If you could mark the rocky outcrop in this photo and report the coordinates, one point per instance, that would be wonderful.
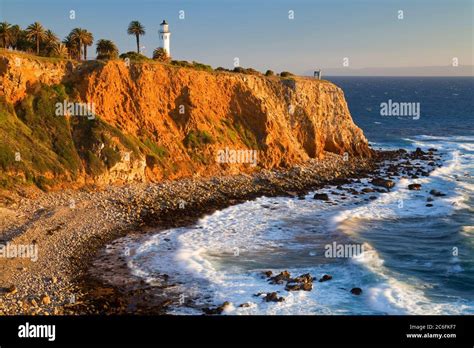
(22, 74)
(186, 122)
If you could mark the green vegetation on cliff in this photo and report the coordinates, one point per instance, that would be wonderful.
(39, 147)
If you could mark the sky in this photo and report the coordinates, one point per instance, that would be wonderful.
(261, 34)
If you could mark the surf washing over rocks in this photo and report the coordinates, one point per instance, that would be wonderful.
(267, 256)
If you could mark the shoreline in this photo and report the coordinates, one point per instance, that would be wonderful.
(70, 236)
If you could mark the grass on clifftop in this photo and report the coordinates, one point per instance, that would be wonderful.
(31, 56)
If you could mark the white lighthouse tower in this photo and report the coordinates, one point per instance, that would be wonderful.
(165, 37)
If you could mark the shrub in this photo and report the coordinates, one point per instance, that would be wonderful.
(247, 71)
(193, 65)
(42, 182)
(158, 150)
(106, 49)
(200, 66)
(151, 160)
(161, 55)
(95, 165)
(182, 63)
(251, 71)
(7, 157)
(239, 69)
(197, 138)
(286, 74)
(111, 156)
(134, 56)
(269, 73)
(222, 69)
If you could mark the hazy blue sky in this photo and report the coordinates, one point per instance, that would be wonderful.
(260, 33)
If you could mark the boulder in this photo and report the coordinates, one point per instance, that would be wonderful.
(340, 181)
(166, 303)
(280, 278)
(268, 274)
(217, 310)
(321, 196)
(436, 193)
(303, 282)
(296, 287)
(273, 297)
(45, 299)
(415, 187)
(383, 183)
(325, 278)
(12, 290)
(419, 152)
(356, 291)
(304, 278)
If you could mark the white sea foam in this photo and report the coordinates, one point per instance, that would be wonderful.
(393, 296)
(401, 202)
(221, 258)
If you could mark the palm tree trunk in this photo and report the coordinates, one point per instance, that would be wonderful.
(85, 52)
(37, 45)
(138, 43)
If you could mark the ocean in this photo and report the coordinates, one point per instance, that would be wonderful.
(411, 259)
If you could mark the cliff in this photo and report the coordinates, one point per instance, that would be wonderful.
(153, 121)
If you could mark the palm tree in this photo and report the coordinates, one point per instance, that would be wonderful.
(87, 40)
(60, 51)
(137, 29)
(35, 32)
(23, 43)
(72, 47)
(161, 55)
(83, 38)
(50, 40)
(5, 34)
(106, 49)
(15, 35)
(78, 34)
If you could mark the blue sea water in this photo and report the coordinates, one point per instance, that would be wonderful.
(446, 106)
(415, 259)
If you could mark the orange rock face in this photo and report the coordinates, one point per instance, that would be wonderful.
(192, 114)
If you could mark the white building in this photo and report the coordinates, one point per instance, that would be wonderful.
(165, 37)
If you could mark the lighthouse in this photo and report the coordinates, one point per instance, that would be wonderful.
(165, 37)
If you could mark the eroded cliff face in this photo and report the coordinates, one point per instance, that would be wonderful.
(21, 74)
(175, 121)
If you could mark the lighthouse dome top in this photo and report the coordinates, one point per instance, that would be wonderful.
(164, 22)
